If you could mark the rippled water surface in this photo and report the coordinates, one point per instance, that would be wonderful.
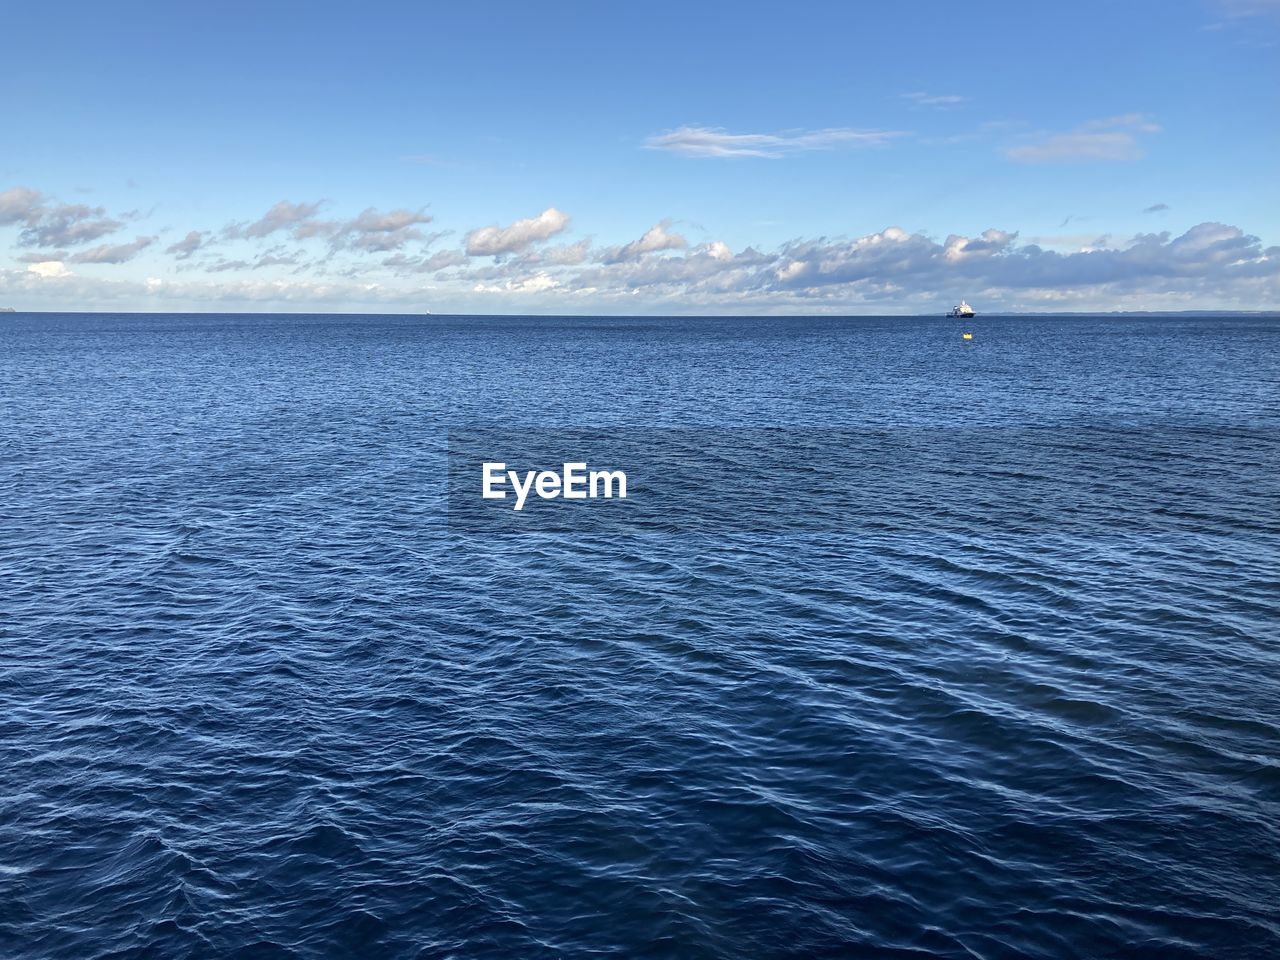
(260, 698)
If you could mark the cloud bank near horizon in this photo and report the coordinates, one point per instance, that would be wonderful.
(295, 255)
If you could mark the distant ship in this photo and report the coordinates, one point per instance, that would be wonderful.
(962, 310)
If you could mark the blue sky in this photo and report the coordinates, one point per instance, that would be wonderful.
(657, 157)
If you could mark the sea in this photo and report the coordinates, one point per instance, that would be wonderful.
(901, 645)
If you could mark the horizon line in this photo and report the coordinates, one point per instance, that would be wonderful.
(1263, 312)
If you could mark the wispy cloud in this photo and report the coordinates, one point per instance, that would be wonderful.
(296, 217)
(113, 253)
(922, 99)
(48, 224)
(276, 257)
(370, 230)
(715, 142)
(440, 260)
(21, 205)
(1156, 208)
(1115, 138)
(69, 224)
(380, 232)
(185, 248)
(1250, 8)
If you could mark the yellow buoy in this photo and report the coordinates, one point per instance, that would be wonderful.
(967, 336)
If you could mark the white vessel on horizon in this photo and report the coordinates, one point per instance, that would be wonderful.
(961, 309)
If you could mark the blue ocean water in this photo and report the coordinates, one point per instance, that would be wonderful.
(1005, 685)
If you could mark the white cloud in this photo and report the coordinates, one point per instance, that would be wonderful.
(1208, 257)
(494, 240)
(113, 253)
(21, 205)
(714, 142)
(1115, 138)
(188, 245)
(922, 99)
(370, 230)
(991, 242)
(1211, 265)
(381, 232)
(656, 238)
(46, 224)
(284, 215)
(69, 224)
(440, 260)
(564, 255)
(49, 268)
(275, 257)
(533, 283)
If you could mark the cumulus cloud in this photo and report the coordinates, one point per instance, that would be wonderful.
(113, 253)
(284, 215)
(381, 232)
(715, 142)
(276, 260)
(1208, 255)
(710, 269)
(1211, 265)
(440, 260)
(384, 255)
(658, 237)
(49, 269)
(370, 230)
(1214, 263)
(560, 255)
(222, 266)
(69, 224)
(275, 257)
(46, 224)
(989, 243)
(532, 283)
(188, 245)
(21, 205)
(564, 255)
(495, 240)
(1115, 138)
